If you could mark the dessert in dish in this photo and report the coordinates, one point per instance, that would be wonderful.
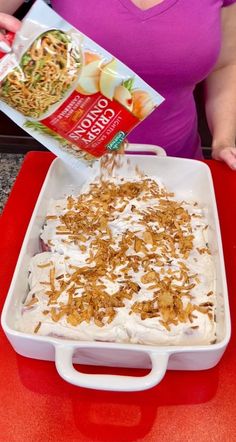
(125, 262)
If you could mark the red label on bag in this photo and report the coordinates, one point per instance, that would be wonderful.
(94, 123)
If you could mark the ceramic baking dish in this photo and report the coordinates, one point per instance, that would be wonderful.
(189, 179)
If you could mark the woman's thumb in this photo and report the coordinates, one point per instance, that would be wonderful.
(9, 23)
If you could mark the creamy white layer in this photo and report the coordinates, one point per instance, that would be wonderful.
(127, 325)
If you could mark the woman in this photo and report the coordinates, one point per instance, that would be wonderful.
(172, 45)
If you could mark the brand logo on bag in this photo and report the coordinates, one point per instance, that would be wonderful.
(116, 141)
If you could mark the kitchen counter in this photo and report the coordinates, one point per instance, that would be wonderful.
(9, 167)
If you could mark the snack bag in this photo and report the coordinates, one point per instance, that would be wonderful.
(66, 91)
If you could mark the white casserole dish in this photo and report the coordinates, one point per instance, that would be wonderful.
(189, 179)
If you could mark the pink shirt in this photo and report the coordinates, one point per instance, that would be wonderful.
(172, 46)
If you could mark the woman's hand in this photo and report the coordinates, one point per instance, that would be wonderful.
(225, 153)
(9, 23)
(221, 93)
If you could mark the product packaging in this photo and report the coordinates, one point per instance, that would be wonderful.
(66, 91)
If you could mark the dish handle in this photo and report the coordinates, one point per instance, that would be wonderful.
(144, 149)
(65, 368)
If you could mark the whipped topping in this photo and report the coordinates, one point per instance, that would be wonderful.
(127, 262)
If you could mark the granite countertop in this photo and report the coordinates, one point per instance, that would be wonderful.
(9, 167)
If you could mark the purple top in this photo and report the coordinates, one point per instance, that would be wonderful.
(172, 46)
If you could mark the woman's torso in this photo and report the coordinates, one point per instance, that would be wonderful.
(172, 46)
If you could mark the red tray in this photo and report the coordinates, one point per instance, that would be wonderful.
(38, 406)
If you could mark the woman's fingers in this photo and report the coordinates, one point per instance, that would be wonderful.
(8, 23)
(8, 27)
(227, 154)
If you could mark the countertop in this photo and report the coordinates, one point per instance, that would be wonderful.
(9, 168)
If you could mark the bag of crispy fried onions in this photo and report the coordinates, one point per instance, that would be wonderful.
(67, 92)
